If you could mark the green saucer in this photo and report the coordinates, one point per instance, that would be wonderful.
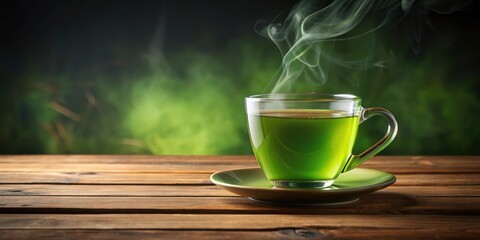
(347, 188)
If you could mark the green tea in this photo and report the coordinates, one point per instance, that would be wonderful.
(302, 145)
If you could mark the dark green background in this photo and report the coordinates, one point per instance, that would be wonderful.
(169, 77)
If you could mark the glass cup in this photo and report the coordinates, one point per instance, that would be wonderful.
(306, 140)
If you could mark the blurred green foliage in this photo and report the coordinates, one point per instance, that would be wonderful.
(195, 106)
(161, 110)
(191, 102)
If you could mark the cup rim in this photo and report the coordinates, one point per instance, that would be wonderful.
(303, 97)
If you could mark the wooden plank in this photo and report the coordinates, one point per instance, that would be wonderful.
(125, 159)
(437, 179)
(105, 178)
(231, 221)
(209, 164)
(147, 234)
(137, 168)
(93, 177)
(401, 234)
(156, 159)
(378, 203)
(111, 190)
(205, 168)
(134, 168)
(435, 191)
(200, 190)
(287, 233)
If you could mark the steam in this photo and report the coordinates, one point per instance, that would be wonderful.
(307, 38)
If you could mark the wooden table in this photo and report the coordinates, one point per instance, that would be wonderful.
(171, 197)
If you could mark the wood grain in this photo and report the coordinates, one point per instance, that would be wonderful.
(132, 168)
(124, 159)
(146, 197)
(377, 203)
(438, 179)
(230, 221)
(111, 190)
(209, 164)
(154, 159)
(284, 233)
(93, 177)
(199, 190)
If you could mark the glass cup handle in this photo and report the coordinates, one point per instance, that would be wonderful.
(366, 113)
